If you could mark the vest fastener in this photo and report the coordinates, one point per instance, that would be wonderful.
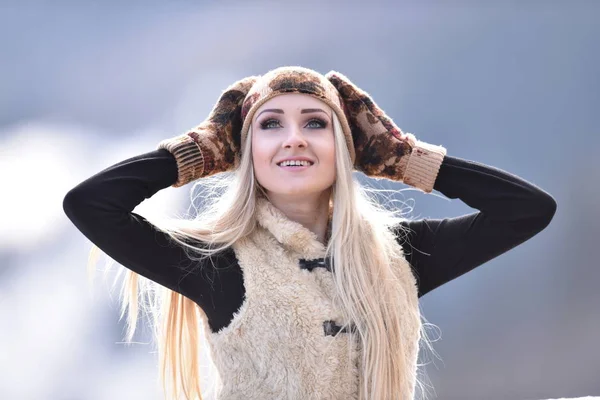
(331, 328)
(314, 263)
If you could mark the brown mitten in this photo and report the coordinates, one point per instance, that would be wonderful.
(212, 146)
(382, 149)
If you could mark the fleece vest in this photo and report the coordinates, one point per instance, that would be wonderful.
(285, 341)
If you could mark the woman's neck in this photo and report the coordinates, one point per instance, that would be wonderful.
(312, 212)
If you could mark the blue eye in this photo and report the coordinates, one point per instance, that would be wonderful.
(270, 123)
(319, 123)
(315, 123)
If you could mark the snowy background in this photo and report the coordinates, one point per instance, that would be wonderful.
(84, 85)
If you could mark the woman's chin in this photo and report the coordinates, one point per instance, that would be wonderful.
(297, 192)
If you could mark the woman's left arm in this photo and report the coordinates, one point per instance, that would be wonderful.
(511, 211)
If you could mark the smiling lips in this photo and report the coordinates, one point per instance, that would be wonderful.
(292, 163)
(295, 165)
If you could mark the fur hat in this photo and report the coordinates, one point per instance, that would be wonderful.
(376, 145)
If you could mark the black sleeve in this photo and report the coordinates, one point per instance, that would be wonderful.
(101, 208)
(511, 211)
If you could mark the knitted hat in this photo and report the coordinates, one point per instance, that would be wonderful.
(376, 145)
(285, 80)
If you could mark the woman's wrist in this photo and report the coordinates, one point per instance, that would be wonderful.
(423, 165)
(189, 156)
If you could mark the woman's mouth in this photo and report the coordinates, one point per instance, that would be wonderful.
(295, 165)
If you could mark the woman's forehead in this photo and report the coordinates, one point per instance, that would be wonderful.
(294, 101)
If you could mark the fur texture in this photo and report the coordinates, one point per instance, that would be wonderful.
(275, 347)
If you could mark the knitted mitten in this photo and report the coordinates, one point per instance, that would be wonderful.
(212, 146)
(382, 149)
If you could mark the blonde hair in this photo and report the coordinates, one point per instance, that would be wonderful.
(361, 243)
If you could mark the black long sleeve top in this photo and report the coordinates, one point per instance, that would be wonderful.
(511, 210)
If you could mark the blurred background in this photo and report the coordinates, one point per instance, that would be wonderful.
(84, 85)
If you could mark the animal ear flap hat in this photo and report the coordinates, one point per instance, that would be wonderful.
(376, 145)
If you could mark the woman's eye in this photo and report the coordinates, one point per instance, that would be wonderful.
(270, 123)
(316, 123)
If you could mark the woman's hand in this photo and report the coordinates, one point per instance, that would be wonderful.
(382, 149)
(213, 146)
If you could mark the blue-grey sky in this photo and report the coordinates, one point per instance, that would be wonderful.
(510, 84)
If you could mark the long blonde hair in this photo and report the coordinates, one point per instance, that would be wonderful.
(361, 244)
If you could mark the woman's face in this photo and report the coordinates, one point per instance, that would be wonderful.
(293, 147)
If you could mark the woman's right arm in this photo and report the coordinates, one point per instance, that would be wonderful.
(101, 207)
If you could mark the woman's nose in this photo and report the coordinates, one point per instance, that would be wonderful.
(294, 138)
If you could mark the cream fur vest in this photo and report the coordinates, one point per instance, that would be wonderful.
(277, 345)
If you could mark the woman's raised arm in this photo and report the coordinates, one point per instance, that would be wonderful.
(101, 207)
(511, 211)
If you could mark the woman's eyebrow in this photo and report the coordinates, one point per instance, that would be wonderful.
(303, 111)
(275, 110)
(311, 110)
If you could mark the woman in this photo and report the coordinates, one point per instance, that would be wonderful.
(308, 288)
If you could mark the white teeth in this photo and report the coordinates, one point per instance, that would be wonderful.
(289, 163)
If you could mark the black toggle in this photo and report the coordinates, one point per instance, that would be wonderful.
(315, 263)
(331, 328)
